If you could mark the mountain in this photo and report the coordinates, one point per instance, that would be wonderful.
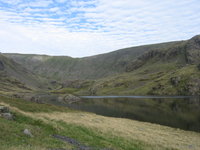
(160, 69)
(94, 67)
(16, 78)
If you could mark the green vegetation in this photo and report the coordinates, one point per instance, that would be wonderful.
(143, 70)
(11, 132)
(159, 69)
(91, 130)
(66, 68)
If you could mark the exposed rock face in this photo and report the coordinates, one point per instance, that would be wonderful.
(1, 66)
(193, 86)
(193, 50)
(164, 55)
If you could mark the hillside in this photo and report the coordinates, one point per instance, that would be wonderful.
(94, 67)
(160, 69)
(29, 84)
(169, 71)
(15, 78)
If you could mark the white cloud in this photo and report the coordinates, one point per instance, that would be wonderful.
(47, 39)
(82, 28)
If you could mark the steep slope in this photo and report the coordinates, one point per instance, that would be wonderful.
(169, 71)
(159, 69)
(173, 70)
(15, 78)
(94, 67)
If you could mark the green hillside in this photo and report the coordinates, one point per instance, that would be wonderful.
(172, 70)
(94, 67)
(160, 69)
(15, 78)
(29, 83)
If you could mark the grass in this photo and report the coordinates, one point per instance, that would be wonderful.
(43, 127)
(150, 134)
(65, 90)
(89, 129)
(148, 80)
(11, 134)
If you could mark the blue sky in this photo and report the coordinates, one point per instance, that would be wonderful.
(81, 28)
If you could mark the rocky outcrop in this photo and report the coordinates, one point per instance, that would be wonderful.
(193, 50)
(5, 113)
(193, 86)
(68, 98)
(163, 55)
(175, 80)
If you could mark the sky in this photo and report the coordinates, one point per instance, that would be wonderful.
(80, 28)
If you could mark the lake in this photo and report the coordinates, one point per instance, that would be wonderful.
(176, 111)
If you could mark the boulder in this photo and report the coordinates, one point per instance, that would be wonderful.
(27, 132)
(4, 109)
(7, 116)
(68, 98)
(175, 80)
(5, 113)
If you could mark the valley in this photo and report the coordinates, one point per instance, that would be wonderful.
(45, 94)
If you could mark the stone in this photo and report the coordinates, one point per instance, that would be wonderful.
(27, 132)
(4, 109)
(7, 116)
(68, 98)
(175, 80)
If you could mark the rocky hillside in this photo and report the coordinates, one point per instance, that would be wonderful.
(94, 67)
(172, 70)
(161, 69)
(14, 77)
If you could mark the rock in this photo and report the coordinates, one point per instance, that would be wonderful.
(7, 116)
(193, 50)
(68, 98)
(193, 86)
(4, 109)
(36, 99)
(175, 80)
(27, 132)
(5, 113)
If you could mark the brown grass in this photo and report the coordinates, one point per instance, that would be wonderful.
(152, 134)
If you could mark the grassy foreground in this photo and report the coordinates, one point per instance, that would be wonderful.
(89, 129)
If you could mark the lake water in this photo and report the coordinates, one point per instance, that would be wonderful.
(175, 111)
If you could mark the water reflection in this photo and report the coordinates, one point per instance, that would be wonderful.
(179, 112)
